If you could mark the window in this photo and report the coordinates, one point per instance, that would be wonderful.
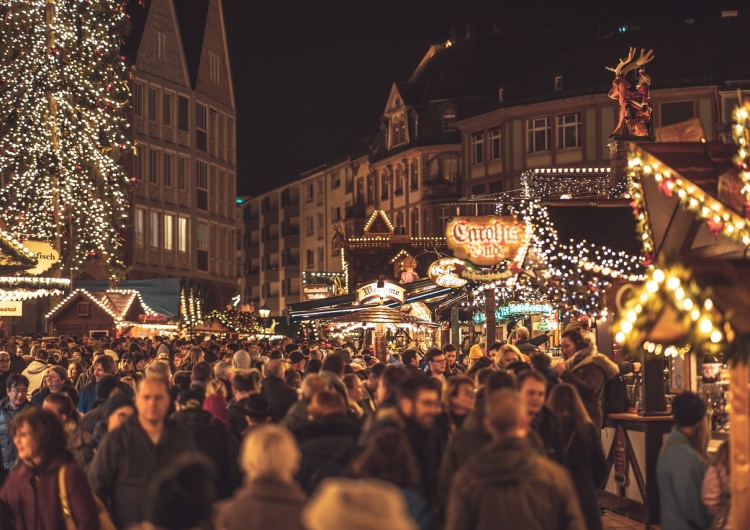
(182, 172)
(414, 174)
(138, 162)
(335, 180)
(496, 187)
(168, 169)
(201, 183)
(398, 131)
(349, 182)
(415, 222)
(183, 244)
(153, 229)
(162, 44)
(84, 309)
(449, 169)
(321, 254)
(201, 126)
(449, 118)
(495, 143)
(569, 130)
(310, 223)
(167, 109)
(202, 243)
(153, 173)
(139, 226)
(398, 186)
(183, 113)
(230, 135)
(213, 130)
(370, 189)
(310, 259)
(335, 213)
(213, 61)
(138, 99)
(168, 232)
(384, 186)
(477, 190)
(320, 220)
(558, 84)
(678, 112)
(310, 191)
(400, 220)
(477, 147)
(222, 134)
(538, 133)
(153, 104)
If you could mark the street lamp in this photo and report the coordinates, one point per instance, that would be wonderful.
(264, 312)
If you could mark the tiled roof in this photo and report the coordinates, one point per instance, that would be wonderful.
(137, 12)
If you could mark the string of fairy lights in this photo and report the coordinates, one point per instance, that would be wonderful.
(64, 97)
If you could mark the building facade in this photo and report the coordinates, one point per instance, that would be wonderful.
(473, 117)
(184, 169)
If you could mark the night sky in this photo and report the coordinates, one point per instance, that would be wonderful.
(312, 78)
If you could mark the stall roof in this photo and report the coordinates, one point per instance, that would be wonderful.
(730, 282)
(420, 290)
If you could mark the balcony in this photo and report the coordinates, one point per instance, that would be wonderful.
(358, 211)
(271, 246)
(441, 189)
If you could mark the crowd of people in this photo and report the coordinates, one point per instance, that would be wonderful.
(211, 433)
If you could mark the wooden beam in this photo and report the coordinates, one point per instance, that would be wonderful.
(739, 440)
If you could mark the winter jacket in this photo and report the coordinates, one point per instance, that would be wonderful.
(715, 490)
(279, 395)
(508, 484)
(545, 425)
(679, 474)
(587, 465)
(81, 445)
(125, 462)
(218, 443)
(6, 442)
(236, 413)
(325, 444)
(588, 371)
(262, 505)
(36, 371)
(32, 496)
(296, 416)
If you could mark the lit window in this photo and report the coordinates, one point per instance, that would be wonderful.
(168, 232)
(449, 118)
(153, 229)
(183, 244)
(140, 225)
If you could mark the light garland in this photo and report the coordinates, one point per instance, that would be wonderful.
(379, 213)
(669, 290)
(741, 136)
(64, 100)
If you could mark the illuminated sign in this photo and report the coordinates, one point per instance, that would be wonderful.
(386, 290)
(45, 255)
(446, 272)
(315, 291)
(485, 240)
(506, 311)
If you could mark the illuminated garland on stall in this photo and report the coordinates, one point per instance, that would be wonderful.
(741, 135)
(64, 102)
(239, 321)
(191, 306)
(670, 291)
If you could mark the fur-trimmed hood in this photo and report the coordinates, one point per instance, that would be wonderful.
(589, 355)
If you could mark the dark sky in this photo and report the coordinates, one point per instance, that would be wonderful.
(311, 78)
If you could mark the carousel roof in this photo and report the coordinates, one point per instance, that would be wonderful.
(380, 315)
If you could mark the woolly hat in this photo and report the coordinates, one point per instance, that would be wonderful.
(296, 356)
(113, 354)
(365, 504)
(114, 403)
(475, 352)
(688, 408)
(241, 359)
(256, 407)
(105, 386)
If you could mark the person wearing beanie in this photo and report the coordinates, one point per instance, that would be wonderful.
(682, 465)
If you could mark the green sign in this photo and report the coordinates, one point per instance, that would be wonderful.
(506, 311)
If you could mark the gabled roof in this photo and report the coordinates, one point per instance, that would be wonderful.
(119, 304)
(378, 223)
(137, 13)
(191, 16)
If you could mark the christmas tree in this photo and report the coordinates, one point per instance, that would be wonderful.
(63, 126)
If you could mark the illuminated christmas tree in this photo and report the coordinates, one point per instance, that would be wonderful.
(63, 121)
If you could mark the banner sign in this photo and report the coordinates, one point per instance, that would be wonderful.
(506, 311)
(152, 319)
(446, 272)
(45, 255)
(11, 309)
(315, 291)
(486, 240)
(371, 292)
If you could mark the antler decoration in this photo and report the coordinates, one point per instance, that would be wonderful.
(622, 69)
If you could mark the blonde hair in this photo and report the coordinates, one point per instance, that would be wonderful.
(216, 386)
(270, 452)
(505, 348)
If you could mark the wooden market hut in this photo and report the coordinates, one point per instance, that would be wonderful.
(94, 314)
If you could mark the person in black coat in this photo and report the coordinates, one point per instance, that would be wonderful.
(583, 451)
(326, 441)
(212, 438)
(533, 388)
(280, 395)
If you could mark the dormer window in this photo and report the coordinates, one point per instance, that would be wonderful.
(449, 118)
(398, 131)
